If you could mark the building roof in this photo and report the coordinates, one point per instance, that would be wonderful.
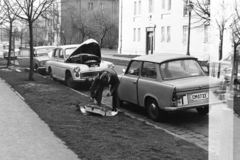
(162, 57)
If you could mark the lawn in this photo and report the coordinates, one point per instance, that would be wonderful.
(95, 137)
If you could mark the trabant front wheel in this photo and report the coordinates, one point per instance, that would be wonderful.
(154, 112)
(203, 110)
(70, 82)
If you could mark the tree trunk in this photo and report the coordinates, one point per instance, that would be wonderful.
(233, 66)
(10, 44)
(220, 51)
(30, 78)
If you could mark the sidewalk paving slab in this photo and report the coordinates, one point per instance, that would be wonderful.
(23, 135)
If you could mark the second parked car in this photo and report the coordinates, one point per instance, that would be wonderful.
(76, 63)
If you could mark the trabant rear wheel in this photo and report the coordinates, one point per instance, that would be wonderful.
(70, 82)
(203, 110)
(154, 112)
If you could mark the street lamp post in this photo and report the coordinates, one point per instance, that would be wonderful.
(189, 8)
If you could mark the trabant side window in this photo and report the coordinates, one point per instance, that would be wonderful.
(134, 68)
(180, 69)
(149, 70)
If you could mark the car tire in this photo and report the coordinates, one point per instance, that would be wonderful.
(203, 110)
(51, 74)
(120, 103)
(70, 82)
(154, 112)
(36, 68)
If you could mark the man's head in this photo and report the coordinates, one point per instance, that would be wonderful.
(104, 78)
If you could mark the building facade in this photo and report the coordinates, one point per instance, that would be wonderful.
(161, 26)
(76, 16)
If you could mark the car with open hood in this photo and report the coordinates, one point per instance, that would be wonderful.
(77, 63)
(41, 55)
(167, 82)
(14, 52)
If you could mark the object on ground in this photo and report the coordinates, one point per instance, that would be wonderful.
(92, 108)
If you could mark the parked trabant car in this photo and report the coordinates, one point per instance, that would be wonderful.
(77, 63)
(14, 52)
(167, 82)
(41, 55)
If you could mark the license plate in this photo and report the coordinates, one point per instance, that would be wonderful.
(199, 96)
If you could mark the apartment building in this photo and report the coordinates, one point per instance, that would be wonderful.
(161, 26)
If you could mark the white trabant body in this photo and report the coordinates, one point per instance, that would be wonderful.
(76, 63)
(167, 82)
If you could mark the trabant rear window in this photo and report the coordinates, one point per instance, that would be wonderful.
(180, 69)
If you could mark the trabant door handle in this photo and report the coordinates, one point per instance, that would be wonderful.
(134, 82)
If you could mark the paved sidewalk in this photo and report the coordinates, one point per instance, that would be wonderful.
(23, 135)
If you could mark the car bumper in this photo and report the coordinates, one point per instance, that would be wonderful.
(42, 68)
(85, 80)
(191, 106)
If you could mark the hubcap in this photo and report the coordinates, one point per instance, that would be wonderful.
(153, 110)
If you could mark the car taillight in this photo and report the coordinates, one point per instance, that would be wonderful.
(174, 98)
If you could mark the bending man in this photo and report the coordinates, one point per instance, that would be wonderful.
(107, 77)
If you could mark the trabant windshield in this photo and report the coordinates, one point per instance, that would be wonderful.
(180, 69)
(69, 51)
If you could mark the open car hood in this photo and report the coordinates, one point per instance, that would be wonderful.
(89, 46)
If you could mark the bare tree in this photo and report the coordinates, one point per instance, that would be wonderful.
(9, 17)
(31, 10)
(202, 16)
(102, 24)
(82, 25)
(235, 26)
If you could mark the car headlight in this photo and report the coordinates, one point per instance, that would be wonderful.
(43, 63)
(110, 65)
(77, 69)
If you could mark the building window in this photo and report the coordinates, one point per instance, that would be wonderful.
(207, 2)
(206, 33)
(90, 6)
(135, 8)
(184, 8)
(102, 6)
(150, 6)
(139, 34)
(168, 34)
(139, 7)
(184, 40)
(163, 4)
(134, 34)
(162, 34)
(169, 4)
